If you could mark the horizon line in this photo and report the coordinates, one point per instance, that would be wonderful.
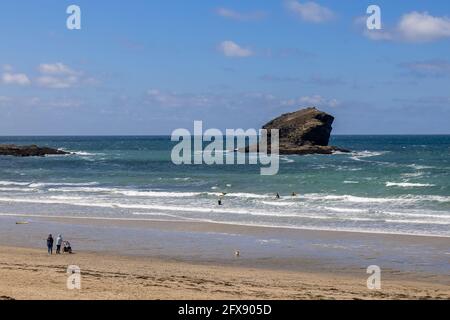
(168, 135)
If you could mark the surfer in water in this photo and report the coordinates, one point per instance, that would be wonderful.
(219, 202)
(277, 196)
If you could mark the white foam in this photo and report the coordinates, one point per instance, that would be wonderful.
(13, 183)
(77, 201)
(437, 215)
(81, 189)
(356, 199)
(287, 160)
(158, 194)
(279, 204)
(133, 193)
(82, 153)
(433, 198)
(348, 198)
(359, 156)
(249, 195)
(419, 167)
(2, 189)
(412, 175)
(339, 153)
(125, 192)
(58, 201)
(346, 210)
(50, 184)
(408, 184)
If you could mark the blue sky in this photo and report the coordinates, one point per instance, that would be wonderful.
(149, 67)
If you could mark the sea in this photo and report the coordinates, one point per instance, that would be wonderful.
(387, 184)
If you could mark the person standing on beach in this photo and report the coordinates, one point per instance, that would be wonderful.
(59, 242)
(50, 244)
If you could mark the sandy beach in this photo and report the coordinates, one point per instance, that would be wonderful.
(31, 274)
(120, 272)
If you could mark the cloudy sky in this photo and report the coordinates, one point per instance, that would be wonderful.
(149, 67)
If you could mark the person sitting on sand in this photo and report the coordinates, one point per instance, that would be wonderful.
(67, 247)
(50, 244)
(59, 242)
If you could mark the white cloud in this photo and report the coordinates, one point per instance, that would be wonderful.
(232, 49)
(57, 82)
(239, 16)
(314, 80)
(310, 11)
(15, 78)
(60, 76)
(419, 27)
(315, 100)
(237, 101)
(174, 100)
(56, 69)
(38, 102)
(51, 75)
(428, 68)
(412, 27)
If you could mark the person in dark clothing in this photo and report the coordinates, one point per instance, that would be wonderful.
(277, 196)
(50, 244)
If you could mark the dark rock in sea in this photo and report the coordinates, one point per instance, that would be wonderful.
(28, 151)
(306, 131)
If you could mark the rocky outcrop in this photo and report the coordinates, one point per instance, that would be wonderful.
(306, 131)
(28, 151)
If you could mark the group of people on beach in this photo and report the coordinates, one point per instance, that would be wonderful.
(59, 242)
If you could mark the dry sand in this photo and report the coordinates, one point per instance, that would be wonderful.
(32, 274)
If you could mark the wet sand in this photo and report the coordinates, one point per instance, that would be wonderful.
(31, 274)
(189, 260)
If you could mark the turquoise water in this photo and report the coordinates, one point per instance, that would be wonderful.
(389, 184)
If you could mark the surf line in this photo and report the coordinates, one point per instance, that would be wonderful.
(190, 148)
